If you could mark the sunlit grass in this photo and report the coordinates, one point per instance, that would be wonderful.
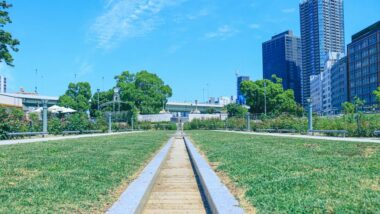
(284, 175)
(72, 176)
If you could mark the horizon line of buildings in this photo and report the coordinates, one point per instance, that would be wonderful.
(316, 67)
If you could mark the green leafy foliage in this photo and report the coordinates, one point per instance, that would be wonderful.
(7, 42)
(235, 110)
(377, 94)
(143, 91)
(77, 96)
(348, 108)
(278, 100)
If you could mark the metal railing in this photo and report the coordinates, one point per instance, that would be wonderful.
(29, 134)
(277, 130)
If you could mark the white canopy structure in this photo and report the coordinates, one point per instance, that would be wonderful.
(55, 109)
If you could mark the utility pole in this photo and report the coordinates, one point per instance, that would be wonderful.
(248, 122)
(310, 116)
(44, 116)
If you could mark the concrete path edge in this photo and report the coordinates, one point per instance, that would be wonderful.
(217, 194)
(133, 199)
(39, 140)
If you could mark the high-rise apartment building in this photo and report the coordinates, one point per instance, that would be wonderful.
(322, 31)
(363, 61)
(282, 57)
(321, 86)
(3, 84)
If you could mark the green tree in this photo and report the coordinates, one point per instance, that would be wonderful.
(235, 110)
(377, 94)
(143, 91)
(7, 42)
(278, 100)
(348, 108)
(359, 103)
(77, 96)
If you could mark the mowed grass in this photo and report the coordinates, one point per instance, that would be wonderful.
(285, 175)
(72, 176)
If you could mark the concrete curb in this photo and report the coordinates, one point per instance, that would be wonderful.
(133, 199)
(218, 196)
(37, 140)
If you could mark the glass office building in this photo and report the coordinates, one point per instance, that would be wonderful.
(339, 85)
(240, 97)
(322, 31)
(364, 64)
(282, 57)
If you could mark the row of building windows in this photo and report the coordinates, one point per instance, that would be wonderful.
(363, 44)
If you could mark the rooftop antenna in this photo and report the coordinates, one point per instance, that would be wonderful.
(237, 73)
(36, 77)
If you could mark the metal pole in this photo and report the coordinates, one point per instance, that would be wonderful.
(265, 97)
(248, 122)
(132, 122)
(109, 122)
(310, 116)
(44, 116)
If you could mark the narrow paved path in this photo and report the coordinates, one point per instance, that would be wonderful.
(347, 139)
(51, 138)
(176, 189)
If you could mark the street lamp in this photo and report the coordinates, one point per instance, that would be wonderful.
(310, 115)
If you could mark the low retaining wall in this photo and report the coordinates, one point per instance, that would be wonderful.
(134, 197)
(218, 196)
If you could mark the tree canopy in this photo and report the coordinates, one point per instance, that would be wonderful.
(235, 110)
(377, 94)
(7, 42)
(77, 96)
(278, 100)
(143, 91)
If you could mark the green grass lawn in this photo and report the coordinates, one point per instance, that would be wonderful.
(285, 175)
(72, 176)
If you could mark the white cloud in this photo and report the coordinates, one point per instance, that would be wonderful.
(254, 26)
(223, 32)
(85, 68)
(202, 13)
(127, 19)
(289, 10)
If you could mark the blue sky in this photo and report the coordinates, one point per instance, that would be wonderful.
(193, 45)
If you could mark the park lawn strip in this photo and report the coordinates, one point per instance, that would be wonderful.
(288, 175)
(72, 176)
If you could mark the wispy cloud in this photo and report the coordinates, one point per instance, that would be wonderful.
(201, 13)
(127, 19)
(254, 26)
(289, 10)
(222, 32)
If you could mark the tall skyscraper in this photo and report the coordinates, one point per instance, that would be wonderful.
(363, 61)
(322, 31)
(3, 84)
(282, 57)
(240, 97)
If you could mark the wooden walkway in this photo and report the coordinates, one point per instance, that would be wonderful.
(176, 189)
